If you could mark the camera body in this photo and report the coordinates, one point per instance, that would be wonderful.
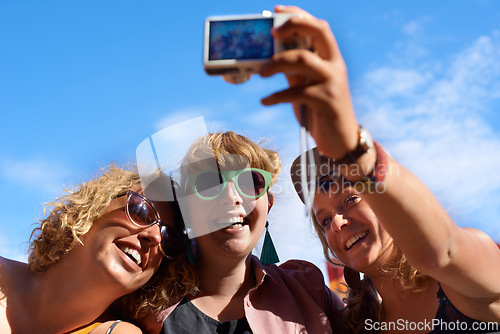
(236, 46)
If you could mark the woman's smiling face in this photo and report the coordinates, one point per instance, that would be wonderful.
(232, 221)
(227, 211)
(351, 228)
(127, 254)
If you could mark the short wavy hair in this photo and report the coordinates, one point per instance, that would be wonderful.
(224, 146)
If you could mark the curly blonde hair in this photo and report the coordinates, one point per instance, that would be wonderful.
(230, 149)
(71, 217)
(364, 303)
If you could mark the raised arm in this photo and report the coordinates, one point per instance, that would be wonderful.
(465, 261)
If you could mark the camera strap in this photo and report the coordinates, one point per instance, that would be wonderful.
(308, 189)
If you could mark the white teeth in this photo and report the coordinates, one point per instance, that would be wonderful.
(229, 220)
(135, 255)
(235, 226)
(354, 238)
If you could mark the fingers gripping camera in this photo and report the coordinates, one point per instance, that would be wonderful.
(236, 46)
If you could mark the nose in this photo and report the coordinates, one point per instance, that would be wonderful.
(231, 195)
(150, 236)
(338, 222)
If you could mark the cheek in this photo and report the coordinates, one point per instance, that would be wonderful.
(194, 209)
(153, 265)
(385, 237)
(157, 263)
(332, 242)
(96, 240)
(259, 208)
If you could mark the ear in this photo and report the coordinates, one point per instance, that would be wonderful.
(270, 199)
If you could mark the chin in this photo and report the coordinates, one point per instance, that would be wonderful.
(237, 248)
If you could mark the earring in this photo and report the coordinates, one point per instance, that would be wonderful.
(192, 250)
(268, 255)
(352, 278)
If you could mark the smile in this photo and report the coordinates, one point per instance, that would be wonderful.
(355, 239)
(133, 254)
(231, 222)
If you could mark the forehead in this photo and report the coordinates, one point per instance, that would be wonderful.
(223, 162)
(331, 184)
(120, 200)
(115, 204)
(323, 200)
(333, 196)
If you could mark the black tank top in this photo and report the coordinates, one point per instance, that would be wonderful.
(450, 320)
(186, 318)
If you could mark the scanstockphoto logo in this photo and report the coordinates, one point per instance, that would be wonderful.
(435, 325)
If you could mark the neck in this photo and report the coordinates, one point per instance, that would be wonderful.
(398, 303)
(226, 278)
(223, 289)
(388, 288)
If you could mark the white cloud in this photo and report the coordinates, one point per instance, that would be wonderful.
(12, 248)
(265, 116)
(390, 82)
(181, 115)
(434, 120)
(415, 27)
(34, 173)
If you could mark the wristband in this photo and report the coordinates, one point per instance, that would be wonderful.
(365, 142)
(374, 182)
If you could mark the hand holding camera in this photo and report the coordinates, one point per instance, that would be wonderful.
(318, 83)
(237, 46)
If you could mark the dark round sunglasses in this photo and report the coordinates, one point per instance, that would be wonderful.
(142, 213)
(250, 182)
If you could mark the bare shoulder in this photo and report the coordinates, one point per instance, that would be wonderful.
(11, 271)
(120, 327)
(4, 324)
(473, 288)
(485, 249)
(475, 232)
(4, 276)
(2, 266)
(15, 278)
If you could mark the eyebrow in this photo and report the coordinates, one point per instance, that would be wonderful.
(319, 212)
(120, 194)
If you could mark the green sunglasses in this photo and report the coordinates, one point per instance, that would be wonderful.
(250, 182)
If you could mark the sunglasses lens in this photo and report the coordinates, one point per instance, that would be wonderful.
(325, 182)
(324, 185)
(170, 241)
(252, 183)
(208, 184)
(140, 211)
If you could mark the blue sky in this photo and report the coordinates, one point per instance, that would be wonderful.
(82, 83)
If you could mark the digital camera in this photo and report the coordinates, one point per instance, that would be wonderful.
(236, 46)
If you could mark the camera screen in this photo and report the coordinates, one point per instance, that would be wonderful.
(241, 39)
